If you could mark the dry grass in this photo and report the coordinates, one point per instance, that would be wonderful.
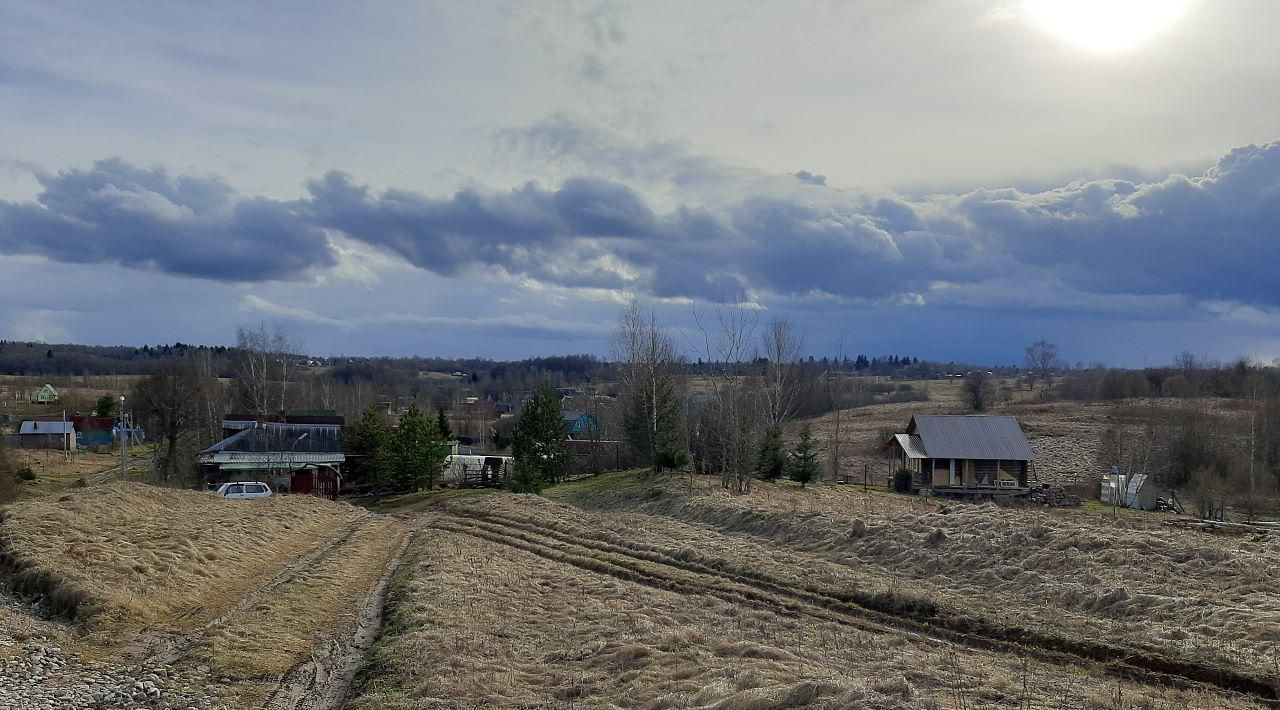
(1131, 581)
(56, 473)
(139, 555)
(479, 624)
(304, 612)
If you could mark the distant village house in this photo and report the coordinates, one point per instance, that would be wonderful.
(47, 435)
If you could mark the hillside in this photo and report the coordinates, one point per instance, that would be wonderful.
(222, 601)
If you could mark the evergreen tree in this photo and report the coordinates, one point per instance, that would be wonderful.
(770, 460)
(105, 406)
(442, 424)
(538, 447)
(652, 425)
(804, 460)
(370, 447)
(419, 451)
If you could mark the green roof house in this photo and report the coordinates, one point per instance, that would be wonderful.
(46, 395)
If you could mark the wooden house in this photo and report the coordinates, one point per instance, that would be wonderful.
(964, 454)
(285, 454)
(45, 395)
(47, 435)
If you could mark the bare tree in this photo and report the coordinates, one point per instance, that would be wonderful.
(284, 349)
(171, 401)
(730, 417)
(253, 369)
(783, 378)
(265, 364)
(646, 356)
(978, 390)
(1041, 360)
(834, 386)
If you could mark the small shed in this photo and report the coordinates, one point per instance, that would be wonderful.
(46, 395)
(47, 435)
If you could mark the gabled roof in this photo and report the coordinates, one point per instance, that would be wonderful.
(971, 436)
(911, 444)
(283, 439)
(31, 427)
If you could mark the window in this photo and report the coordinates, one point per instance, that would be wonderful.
(234, 489)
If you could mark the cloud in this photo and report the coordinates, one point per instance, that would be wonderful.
(1209, 237)
(809, 178)
(529, 325)
(195, 226)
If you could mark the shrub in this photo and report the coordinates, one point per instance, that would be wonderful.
(902, 481)
(25, 473)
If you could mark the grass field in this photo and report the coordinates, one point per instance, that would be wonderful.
(631, 591)
(244, 589)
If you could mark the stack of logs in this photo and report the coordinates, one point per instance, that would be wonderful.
(1053, 497)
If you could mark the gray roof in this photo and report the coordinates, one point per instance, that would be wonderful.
(32, 427)
(286, 438)
(971, 436)
(911, 444)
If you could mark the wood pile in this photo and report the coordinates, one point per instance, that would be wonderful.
(1053, 497)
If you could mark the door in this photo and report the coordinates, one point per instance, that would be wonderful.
(954, 477)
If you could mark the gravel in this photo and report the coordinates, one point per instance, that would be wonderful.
(36, 674)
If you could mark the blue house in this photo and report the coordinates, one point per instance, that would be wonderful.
(579, 425)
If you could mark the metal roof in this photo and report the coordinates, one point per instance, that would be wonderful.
(911, 444)
(272, 459)
(47, 428)
(971, 436)
(286, 438)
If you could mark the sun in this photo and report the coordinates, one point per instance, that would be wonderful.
(1106, 26)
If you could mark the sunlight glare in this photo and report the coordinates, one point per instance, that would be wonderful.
(1105, 25)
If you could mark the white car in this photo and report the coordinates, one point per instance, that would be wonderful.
(245, 489)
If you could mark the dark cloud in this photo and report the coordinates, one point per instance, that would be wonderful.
(190, 226)
(809, 178)
(1215, 236)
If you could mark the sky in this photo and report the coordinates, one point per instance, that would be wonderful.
(949, 179)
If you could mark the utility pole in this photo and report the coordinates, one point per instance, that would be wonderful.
(124, 442)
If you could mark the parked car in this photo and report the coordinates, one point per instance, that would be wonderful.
(245, 489)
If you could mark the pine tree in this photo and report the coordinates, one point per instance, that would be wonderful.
(420, 451)
(370, 447)
(105, 406)
(442, 423)
(539, 449)
(804, 460)
(652, 425)
(770, 460)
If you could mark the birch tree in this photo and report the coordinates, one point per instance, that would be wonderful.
(731, 417)
(646, 356)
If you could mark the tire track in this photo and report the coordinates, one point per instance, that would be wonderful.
(323, 681)
(637, 564)
(170, 648)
